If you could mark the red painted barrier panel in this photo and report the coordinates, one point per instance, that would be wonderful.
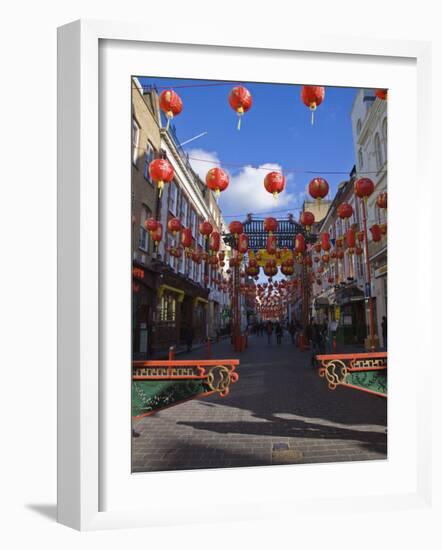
(365, 372)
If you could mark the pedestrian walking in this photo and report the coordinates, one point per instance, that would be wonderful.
(292, 330)
(279, 333)
(269, 330)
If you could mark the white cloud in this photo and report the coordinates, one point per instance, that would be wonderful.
(202, 161)
(246, 191)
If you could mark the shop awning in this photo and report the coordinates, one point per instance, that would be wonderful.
(178, 291)
(321, 301)
(349, 294)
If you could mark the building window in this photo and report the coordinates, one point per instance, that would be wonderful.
(149, 155)
(184, 210)
(173, 196)
(170, 244)
(360, 159)
(384, 137)
(143, 234)
(378, 152)
(193, 223)
(167, 307)
(358, 126)
(135, 140)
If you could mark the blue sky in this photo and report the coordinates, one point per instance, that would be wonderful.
(276, 131)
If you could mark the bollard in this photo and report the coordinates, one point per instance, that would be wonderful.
(334, 344)
(171, 353)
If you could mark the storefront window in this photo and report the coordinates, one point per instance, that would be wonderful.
(167, 307)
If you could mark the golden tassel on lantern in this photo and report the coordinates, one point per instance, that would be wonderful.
(313, 109)
(240, 112)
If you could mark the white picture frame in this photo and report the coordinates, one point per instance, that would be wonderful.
(89, 463)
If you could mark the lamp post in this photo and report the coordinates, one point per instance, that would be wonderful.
(364, 187)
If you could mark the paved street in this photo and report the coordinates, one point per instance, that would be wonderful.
(279, 412)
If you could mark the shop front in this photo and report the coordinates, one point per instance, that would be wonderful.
(181, 313)
(351, 329)
(143, 308)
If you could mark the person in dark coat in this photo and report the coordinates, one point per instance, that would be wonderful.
(269, 330)
(278, 332)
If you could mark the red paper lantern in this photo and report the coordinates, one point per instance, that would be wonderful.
(382, 93)
(270, 270)
(170, 104)
(243, 243)
(318, 188)
(375, 233)
(221, 255)
(174, 225)
(381, 200)
(274, 182)
(270, 225)
(325, 258)
(364, 187)
(299, 244)
(350, 238)
(240, 100)
(236, 228)
(161, 172)
(150, 225)
(359, 251)
(312, 97)
(360, 236)
(308, 261)
(186, 237)
(157, 235)
(214, 241)
(345, 210)
(325, 241)
(196, 258)
(340, 254)
(217, 180)
(252, 271)
(287, 270)
(307, 219)
(205, 229)
(271, 245)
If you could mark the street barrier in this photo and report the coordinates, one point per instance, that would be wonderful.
(158, 384)
(365, 372)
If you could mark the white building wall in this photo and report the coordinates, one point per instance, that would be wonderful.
(370, 128)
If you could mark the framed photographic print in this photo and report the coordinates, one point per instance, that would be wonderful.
(224, 289)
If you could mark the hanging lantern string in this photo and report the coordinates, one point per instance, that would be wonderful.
(204, 85)
(256, 166)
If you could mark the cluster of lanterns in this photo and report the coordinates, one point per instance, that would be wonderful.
(217, 180)
(270, 298)
(352, 239)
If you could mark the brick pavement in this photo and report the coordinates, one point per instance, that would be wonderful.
(279, 412)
